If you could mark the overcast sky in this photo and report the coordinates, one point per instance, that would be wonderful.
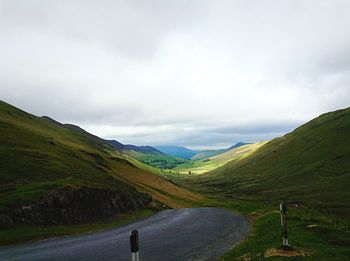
(194, 73)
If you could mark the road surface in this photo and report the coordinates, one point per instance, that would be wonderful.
(177, 234)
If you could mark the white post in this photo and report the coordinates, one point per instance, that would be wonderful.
(135, 256)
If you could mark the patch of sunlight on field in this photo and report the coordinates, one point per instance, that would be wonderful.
(202, 166)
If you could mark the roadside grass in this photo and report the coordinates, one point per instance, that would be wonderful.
(317, 240)
(31, 233)
(313, 235)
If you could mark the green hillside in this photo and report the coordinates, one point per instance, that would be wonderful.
(310, 170)
(214, 162)
(39, 155)
(148, 155)
(311, 165)
(205, 154)
(156, 159)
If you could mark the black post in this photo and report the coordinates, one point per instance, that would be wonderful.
(134, 245)
(283, 211)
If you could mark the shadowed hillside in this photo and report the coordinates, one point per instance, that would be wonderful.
(41, 158)
(177, 151)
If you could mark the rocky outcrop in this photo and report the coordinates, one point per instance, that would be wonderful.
(6, 222)
(74, 206)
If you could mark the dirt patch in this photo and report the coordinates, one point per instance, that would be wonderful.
(293, 252)
(245, 257)
(254, 216)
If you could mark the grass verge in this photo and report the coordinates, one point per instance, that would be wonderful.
(313, 235)
(30, 233)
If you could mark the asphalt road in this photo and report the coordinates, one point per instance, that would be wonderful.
(178, 234)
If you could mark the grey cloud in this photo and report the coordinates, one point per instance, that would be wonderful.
(207, 137)
(257, 129)
(132, 28)
(198, 72)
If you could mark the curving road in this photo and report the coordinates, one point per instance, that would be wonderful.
(177, 234)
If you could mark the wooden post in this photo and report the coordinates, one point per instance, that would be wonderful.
(283, 211)
(134, 245)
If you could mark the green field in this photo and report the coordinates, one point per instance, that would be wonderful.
(156, 160)
(204, 165)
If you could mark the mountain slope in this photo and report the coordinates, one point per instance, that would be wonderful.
(237, 152)
(208, 164)
(150, 156)
(39, 156)
(204, 154)
(238, 144)
(143, 149)
(177, 151)
(309, 165)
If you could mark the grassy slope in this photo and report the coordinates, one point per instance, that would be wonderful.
(202, 166)
(310, 166)
(204, 154)
(38, 155)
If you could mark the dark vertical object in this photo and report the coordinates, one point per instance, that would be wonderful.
(134, 245)
(283, 211)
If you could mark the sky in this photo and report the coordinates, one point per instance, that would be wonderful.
(201, 74)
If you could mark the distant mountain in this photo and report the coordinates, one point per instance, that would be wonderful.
(143, 149)
(153, 157)
(177, 151)
(204, 154)
(238, 144)
(148, 155)
(117, 145)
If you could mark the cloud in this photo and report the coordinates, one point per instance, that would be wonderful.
(176, 72)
